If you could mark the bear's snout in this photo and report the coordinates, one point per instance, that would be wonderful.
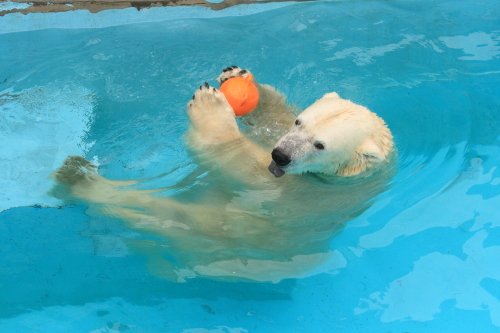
(280, 157)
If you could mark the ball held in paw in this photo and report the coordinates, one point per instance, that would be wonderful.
(241, 93)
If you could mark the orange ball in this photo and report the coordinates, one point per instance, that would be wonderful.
(241, 93)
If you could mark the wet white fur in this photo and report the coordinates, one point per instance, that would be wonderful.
(354, 138)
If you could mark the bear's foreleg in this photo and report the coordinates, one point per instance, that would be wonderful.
(215, 137)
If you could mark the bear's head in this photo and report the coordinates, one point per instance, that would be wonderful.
(333, 136)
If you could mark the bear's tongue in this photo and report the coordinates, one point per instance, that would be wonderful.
(275, 169)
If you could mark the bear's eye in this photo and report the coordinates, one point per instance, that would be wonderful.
(297, 122)
(318, 145)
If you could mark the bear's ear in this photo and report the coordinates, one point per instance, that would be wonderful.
(370, 151)
(367, 154)
(331, 95)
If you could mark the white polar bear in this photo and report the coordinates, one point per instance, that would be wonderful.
(333, 136)
(251, 224)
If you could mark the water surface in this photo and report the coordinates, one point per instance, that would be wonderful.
(421, 255)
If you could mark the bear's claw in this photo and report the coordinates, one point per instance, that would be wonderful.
(212, 118)
(230, 72)
(207, 94)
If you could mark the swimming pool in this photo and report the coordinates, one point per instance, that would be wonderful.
(421, 257)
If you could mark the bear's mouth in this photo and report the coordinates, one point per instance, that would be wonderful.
(275, 169)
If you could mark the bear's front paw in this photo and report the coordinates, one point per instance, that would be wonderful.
(212, 118)
(232, 71)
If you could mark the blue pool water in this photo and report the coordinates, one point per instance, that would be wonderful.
(421, 255)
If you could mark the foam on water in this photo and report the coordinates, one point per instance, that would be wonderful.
(417, 255)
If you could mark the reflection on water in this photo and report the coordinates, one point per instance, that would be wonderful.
(459, 278)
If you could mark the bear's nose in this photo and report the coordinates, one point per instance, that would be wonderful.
(280, 157)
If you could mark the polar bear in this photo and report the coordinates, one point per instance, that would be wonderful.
(333, 136)
(264, 217)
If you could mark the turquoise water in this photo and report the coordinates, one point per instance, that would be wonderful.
(419, 255)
